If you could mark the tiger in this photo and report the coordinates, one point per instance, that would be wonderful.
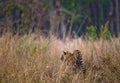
(74, 60)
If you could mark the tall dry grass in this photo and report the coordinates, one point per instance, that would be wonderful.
(32, 59)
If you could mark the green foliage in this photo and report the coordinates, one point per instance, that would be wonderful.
(69, 4)
(11, 5)
(25, 20)
(105, 33)
(48, 6)
(89, 1)
(72, 12)
(104, 2)
(91, 32)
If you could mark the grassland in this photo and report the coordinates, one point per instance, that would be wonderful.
(35, 59)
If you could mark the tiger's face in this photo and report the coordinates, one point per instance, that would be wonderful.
(67, 56)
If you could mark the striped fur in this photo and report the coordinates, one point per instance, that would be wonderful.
(79, 61)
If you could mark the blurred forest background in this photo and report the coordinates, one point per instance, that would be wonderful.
(61, 18)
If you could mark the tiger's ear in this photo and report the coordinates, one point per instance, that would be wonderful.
(64, 52)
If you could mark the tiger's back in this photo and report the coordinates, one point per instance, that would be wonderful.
(79, 61)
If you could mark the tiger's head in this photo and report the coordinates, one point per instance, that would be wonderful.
(66, 55)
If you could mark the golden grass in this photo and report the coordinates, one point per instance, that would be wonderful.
(32, 59)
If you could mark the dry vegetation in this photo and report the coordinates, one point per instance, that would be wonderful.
(31, 59)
